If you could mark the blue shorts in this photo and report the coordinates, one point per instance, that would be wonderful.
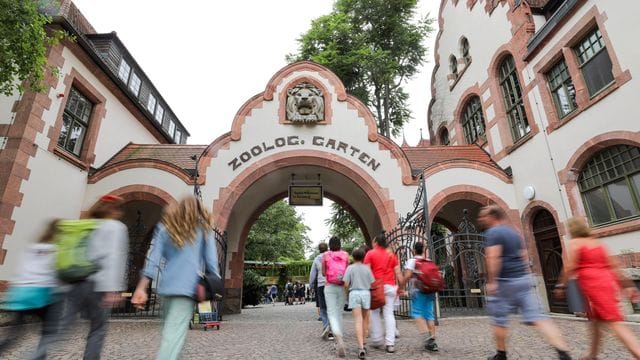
(422, 306)
(515, 294)
(359, 299)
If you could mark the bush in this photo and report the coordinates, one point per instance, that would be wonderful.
(253, 287)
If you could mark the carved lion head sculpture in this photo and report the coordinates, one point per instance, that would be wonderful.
(305, 103)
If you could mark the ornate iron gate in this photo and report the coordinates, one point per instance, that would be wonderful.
(460, 257)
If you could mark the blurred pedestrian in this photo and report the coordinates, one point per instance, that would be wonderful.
(599, 277)
(183, 245)
(316, 277)
(422, 304)
(510, 285)
(33, 290)
(384, 265)
(95, 296)
(273, 294)
(357, 281)
(334, 265)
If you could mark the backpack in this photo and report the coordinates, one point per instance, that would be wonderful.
(335, 265)
(428, 276)
(72, 263)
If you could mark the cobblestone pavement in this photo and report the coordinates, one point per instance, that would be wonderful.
(293, 332)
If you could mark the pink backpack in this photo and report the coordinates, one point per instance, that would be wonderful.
(335, 264)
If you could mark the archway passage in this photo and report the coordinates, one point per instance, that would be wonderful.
(549, 247)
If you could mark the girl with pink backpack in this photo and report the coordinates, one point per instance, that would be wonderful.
(334, 265)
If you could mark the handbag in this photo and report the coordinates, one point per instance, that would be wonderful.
(377, 294)
(575, 298)
(210, 286)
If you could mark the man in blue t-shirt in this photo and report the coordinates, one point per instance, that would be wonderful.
(510, 284)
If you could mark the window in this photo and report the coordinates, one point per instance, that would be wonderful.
(464, 50)
(453, 66)
(123, 71)
(177, 137)
(512, 95)
(594, 62)
(473, 122)
(444, 137)
(159, 113)
(562, 89)
(75, 121)
(151, 103)
(610, 184)
(172, 128)
(134, 84)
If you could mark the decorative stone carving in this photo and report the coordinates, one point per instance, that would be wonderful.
(305, 104)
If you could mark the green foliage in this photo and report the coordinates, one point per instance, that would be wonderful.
(23, 45)
(277, 233)
(253, 287)
(374, 46)
(345, 227)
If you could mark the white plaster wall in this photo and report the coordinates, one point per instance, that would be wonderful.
(458, 22)
(119, 126)
(622, 243)
(444, 179)
(262, 126)
(6, 103)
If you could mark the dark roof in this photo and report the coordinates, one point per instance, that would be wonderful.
(178, 155)
(424, 157)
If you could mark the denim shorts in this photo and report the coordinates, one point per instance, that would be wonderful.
(359, 299)
(422, 306)
(512, 295)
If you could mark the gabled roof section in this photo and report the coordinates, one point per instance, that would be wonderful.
(422, 158)
(181, 156)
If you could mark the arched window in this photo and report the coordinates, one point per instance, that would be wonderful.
(444, 136)
(512, 95)
(472, 121)
(464, 50)
(610, 184)
(453, 66)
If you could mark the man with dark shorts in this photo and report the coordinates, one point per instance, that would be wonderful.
(316, 277)
(510, 284)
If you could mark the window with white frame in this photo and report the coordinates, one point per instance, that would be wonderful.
(151, 103)
(513, 102)
(177, 137)
(159, 113)
(134, 84)
(75, 121)
(562, 89)
(123, 71)
(610, 184)
(172, 128)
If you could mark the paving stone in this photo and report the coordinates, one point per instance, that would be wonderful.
(293, 332)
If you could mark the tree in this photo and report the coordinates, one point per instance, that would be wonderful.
(23, 45)
(277, 233)
(374, 46)
(345, 227)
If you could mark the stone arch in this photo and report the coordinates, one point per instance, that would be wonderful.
(528, 214)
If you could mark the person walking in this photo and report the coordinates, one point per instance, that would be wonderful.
(316, 277)
(384, 265)
(357, 281)
(422, 304)
(599, 277)
(334, 265)
(33, 290)
(95, 296)
(510, 285)
(183, 245)
(273, 294)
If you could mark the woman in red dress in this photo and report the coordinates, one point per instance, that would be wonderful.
(600, 280)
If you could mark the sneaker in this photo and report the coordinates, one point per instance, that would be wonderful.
(390, 349)
(330, 337)
(497, 356)
(325, 333)
(430, 344)
(362, 353)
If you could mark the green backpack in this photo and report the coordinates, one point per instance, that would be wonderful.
(72, 263)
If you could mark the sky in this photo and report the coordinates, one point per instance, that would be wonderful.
(207, 58)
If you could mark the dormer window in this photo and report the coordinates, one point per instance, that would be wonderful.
(134, 84)
(178, 136)
(151, 103)
(123, 71)
(159, 113)
(172, 128)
